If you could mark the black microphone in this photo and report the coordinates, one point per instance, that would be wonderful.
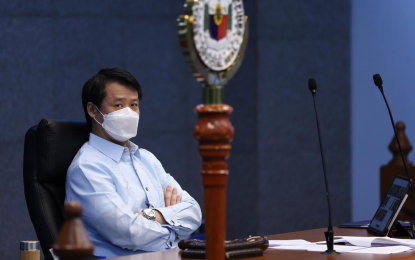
(312, 85)
(379, 83)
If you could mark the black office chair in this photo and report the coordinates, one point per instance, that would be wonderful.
(49, 149)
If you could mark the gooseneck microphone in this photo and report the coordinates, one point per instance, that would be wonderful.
(312, 85)
(379, 83)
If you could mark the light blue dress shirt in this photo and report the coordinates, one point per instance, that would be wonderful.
(113, 183)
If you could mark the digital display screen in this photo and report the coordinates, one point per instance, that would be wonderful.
(390, 204)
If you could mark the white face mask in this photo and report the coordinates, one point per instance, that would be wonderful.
(121, 124)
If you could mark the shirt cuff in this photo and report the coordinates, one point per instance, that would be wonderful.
(172, 242)
(169, 215)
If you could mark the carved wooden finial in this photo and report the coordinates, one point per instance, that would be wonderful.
(405, 145)
(73, 242)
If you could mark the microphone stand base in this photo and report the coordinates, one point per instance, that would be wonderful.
(330, 252)
(330, 243)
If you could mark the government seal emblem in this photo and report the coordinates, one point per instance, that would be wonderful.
(213, 37)
(218, 30)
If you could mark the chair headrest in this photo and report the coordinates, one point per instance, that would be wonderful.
(57, 142)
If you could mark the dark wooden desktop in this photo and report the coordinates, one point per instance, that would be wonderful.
(314, 235)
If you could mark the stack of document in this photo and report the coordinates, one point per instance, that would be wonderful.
(374, 241)
(362, 245)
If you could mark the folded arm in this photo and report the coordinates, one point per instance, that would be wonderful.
(184, 217)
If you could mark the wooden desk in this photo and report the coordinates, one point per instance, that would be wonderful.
(314, 235)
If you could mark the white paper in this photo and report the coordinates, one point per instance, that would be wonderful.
(291, 242)
(383, 250)
(298, 247)
(317, 248)
(346, 249)
(356, 241)
(375, 241)
(340, 249)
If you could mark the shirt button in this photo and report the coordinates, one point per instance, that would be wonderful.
(146, 189)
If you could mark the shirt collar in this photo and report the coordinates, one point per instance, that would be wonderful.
(110, 149)
(134, 149)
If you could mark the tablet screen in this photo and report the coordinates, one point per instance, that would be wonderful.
(389, 206)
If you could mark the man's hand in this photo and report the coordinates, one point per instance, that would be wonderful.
(170, 196)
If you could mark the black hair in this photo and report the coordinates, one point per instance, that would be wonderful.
(94, 89)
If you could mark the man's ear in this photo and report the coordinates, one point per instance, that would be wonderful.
(91, 109)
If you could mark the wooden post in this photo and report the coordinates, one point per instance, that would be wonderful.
(214, 132)
(73, 242)
(395, 167)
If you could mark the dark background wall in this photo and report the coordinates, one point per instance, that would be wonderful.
(48, 49)
(298, 40)
(379, 46)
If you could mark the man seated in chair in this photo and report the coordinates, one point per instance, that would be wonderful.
(130, 204)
